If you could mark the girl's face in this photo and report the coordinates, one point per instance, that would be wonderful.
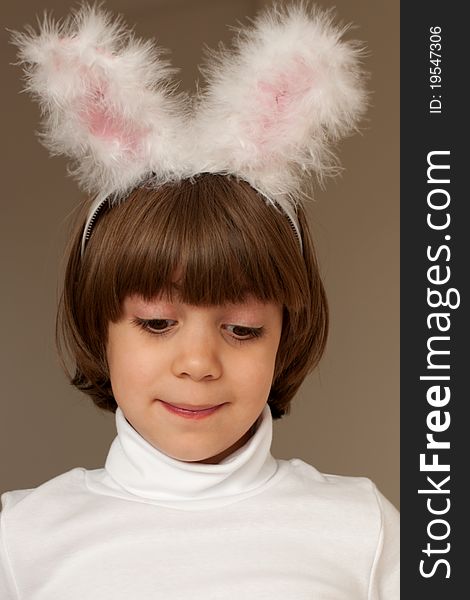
(192, 356)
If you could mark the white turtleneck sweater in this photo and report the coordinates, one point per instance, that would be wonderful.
(150, 527)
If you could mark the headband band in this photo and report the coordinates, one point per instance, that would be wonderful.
(100, 202)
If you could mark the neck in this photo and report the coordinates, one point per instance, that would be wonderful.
(136, 470)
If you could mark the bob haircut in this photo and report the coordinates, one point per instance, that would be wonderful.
(224, 241)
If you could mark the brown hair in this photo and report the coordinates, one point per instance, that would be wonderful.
(225, 240)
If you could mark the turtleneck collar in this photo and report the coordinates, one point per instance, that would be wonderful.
(135, 467)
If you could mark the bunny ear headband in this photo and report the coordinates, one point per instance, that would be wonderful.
(268, 113)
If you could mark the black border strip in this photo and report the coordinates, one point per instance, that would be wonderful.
(434, 271)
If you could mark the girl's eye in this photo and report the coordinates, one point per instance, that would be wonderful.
(162, 327)
(156, 326)
(244, 334)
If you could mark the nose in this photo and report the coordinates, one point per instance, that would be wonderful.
(197, 356)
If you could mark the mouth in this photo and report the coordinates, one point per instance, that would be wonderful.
(192, 406)
(191, 412)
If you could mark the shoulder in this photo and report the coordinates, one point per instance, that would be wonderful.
(27, 518)
(29, 515)
(341, 491)
(353, 511)
(45, 498)
(354, 499)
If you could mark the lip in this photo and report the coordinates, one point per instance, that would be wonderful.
(199, 413)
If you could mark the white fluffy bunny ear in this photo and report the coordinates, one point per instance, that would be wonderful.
(106, 99)
(272, 108)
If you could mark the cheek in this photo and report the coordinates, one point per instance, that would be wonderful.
(138, 366)
(254, 374)
(130, 366)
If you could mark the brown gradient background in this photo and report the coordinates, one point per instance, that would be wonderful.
(345, 419)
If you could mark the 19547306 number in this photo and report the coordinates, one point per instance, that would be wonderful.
(435, 70)
(435, 57)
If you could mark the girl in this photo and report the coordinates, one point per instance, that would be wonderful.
(193, 309)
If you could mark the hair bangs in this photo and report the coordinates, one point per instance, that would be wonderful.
(192, 241)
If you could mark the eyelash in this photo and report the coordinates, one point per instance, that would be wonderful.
(145, 324)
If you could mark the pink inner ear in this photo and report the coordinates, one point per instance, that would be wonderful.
(277, 95)
(107, 124)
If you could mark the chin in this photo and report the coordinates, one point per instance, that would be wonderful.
(188, 457)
